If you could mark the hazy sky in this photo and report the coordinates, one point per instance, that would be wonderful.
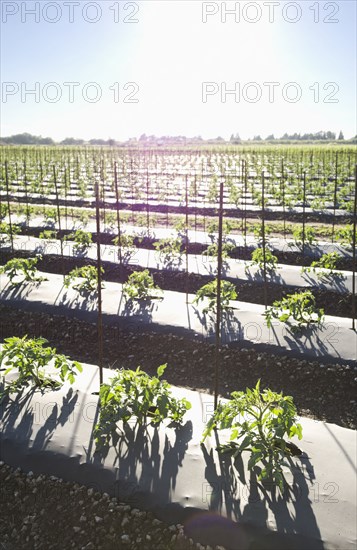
(120, 69)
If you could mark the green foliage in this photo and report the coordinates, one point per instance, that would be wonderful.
(258, 259)
(235, 194)
(5, 232)
(308, 236)
(22, 267)
(212, 195)
(3, 211)
(212, 250)
(180, 228)
(258, 232)
(30, 358)
(48, 234)
(50, 216)
(82, 240)
(169, 250)
(126, 245)
(135, 394)
(297, 310)
(212, 228)
(83, 217)
(327, 266)
(110, 220)
(259, 422)
(345, 235)
(88, 273)
(227, 247)
(209, 292)
(140, 286)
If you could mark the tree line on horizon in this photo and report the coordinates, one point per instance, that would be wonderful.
(29, 139)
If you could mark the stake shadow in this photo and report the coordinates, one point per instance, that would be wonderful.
(230, 325)
(19, 291)
(317, 348)
(49, 416)
(258, 276)
(169, 263)
(328, 282)
(146, 469)
(84, 301)
(143, 309)
(209, 264)
(246, 502)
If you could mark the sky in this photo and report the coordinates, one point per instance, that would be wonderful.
(111, 69)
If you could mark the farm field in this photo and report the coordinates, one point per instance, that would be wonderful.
(105, 252)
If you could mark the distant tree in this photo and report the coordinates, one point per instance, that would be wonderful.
(72, 141)
(235, 138)
(340, 135)
(257, 138)
(270, 137)
(27, 139)
(97, 141)
(46, 141)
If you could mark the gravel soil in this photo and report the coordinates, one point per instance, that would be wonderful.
(46, 513)
(50, 514)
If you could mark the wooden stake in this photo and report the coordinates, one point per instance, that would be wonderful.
(99, 287)
(354, 256)
(264, 243)
(117, 210)
(8, 205)
(59, 217)
(218, 303)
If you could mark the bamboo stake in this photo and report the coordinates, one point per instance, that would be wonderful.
(218, 304)
(99, 287)
(186, 236)
(59, 217)
(354, 256)
(303, 214)
(335, 199)
(264, 243)
(117, 210)
(147, 203)
(8, 205)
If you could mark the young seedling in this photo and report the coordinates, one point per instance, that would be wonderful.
(126, 245)
(169, 250)
(83, 217)
(140, 286)
(227, 246)
(30, 357)
(48, 235)
(258, 233)
(82, 240)
(345, 235)
(135, 394)
(325, 267)
(3, 211)
(89, 276)
(259, 422)
(208, 293)
(258, 259)
(300, 236)
(50, 216)
(22, 267)
(296, 310)
(5, 232)
(110, 221)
